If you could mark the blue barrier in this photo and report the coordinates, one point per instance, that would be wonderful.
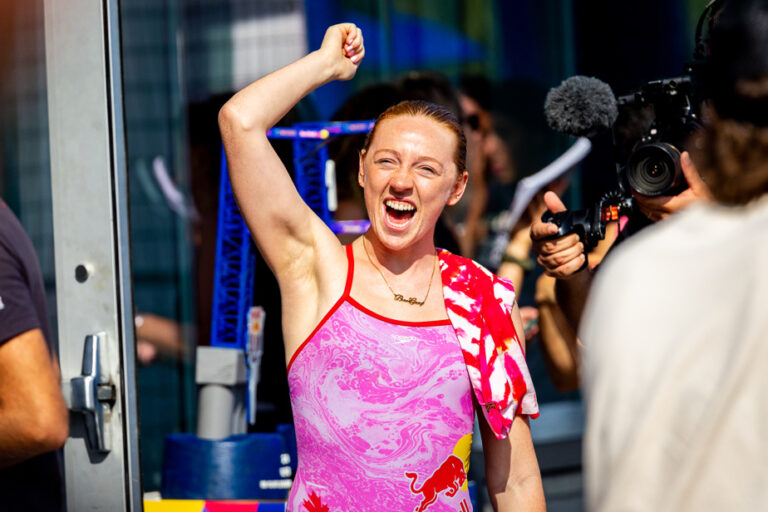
(240, 467)
(288, 432)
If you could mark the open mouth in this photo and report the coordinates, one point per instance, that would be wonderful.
(399, 213)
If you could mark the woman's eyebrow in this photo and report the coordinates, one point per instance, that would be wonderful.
(431, 159)
(386, 150)
(420, 158)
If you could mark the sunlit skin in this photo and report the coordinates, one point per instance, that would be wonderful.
(409, 165)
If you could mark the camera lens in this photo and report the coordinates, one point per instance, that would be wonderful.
(654, 169)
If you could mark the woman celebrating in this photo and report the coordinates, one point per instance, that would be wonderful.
(389, 342)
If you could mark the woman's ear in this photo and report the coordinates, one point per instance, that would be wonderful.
(361, 170)
(458, 189)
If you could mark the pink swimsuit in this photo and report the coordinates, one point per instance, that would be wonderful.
(383, 414)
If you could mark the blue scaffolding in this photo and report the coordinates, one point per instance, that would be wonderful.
(314, 180)
(233, 274)
(235, 256)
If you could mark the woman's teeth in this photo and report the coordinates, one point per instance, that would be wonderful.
(399, 206)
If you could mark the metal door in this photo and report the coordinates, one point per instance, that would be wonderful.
(94, 295)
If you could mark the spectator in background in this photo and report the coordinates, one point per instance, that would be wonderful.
(676, 364)
(34, 422)
(475, 100)
(157, 335)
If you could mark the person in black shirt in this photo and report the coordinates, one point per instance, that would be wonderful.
(34, 421)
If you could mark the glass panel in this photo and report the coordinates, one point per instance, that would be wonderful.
(162, 253)
(181, 60)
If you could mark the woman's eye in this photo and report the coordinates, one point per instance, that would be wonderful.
(428, 169)
(384, 161)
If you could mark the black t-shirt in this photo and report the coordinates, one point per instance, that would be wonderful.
(37, 483)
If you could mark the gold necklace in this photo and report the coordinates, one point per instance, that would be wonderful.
(413, 301)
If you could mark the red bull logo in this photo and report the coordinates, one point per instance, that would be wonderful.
(448, 478)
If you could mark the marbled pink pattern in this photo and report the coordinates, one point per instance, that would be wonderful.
(372, 400)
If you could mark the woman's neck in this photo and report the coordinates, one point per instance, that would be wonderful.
(398, 261)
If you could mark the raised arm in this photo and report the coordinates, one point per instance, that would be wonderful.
(286, 231)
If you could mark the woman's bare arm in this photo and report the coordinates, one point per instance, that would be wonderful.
(511, 469)
(305, 256)
(286, 231)
(559, 344)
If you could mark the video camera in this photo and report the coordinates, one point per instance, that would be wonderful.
(653, 166)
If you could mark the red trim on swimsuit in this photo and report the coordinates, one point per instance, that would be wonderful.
(428, 323)
(346, 296)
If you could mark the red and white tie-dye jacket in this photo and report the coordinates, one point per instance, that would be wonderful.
(479, 305)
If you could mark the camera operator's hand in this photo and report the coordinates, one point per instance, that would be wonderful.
(660, 207)
(561, 257)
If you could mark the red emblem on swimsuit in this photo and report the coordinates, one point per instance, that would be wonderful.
(448, 478)
(314, 504)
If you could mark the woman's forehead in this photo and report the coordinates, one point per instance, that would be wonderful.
(412, 128)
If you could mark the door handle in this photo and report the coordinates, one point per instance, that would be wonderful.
(91, 394)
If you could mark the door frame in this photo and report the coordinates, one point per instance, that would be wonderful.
(91, 243)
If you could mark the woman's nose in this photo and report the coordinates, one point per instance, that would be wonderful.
(401, 179)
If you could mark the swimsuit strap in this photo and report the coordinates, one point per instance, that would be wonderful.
(350, 271)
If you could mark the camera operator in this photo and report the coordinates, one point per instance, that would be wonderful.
(648, 127)
(676, 363)
(564, 258)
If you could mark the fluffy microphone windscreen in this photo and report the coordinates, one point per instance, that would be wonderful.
(581, 106)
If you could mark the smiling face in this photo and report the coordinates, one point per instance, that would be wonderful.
(409, 175)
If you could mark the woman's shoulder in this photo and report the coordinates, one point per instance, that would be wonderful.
(457, 268)
(462, 262)
(456, 260)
